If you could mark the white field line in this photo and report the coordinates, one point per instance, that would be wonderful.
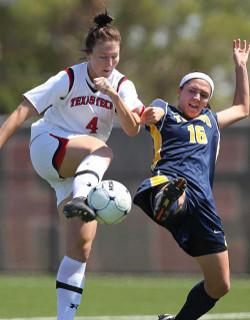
(215, 316)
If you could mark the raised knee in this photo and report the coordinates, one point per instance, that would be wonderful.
(109, 153)
(103, 151)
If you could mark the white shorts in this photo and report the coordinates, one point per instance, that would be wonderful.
(46, 151)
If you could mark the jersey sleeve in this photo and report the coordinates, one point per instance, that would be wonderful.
(50, 92)
(129, 95)
(159, 103)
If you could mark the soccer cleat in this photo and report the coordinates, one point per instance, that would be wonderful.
(167, 196)
(77, 207)
(165, 317)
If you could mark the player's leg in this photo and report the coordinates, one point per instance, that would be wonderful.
(70, 279)
(79, 237)
(204, 295)
(169, 199)
(87, 159)
(215, 268)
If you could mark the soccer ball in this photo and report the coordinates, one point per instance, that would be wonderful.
(111, 201)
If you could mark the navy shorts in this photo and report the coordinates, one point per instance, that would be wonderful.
(197, 229)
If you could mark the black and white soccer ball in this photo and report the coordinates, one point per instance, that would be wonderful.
(111, 201)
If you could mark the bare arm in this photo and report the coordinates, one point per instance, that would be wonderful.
(129, 120)
(23, 112)
(240, 107)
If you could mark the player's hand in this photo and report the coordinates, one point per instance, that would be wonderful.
(103, 85)
(152, 115)
(241, 51)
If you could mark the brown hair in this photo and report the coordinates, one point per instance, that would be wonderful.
(103, 31)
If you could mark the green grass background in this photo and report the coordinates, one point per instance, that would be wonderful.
(31, 296)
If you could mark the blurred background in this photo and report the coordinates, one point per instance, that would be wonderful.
(161, 41)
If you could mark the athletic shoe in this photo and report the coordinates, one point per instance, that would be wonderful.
(77, 207)
(165, 317)
(166, 197)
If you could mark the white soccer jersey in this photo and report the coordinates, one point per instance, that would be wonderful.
(72, 106)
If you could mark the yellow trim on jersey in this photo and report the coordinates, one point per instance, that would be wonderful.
(204, 118)
(157, 140)
(156, 180)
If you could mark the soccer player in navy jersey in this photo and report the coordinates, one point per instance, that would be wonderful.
(178, 196)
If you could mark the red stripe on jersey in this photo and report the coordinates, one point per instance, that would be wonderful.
(60, 151)
(142, 110)
(120, 82)
(70, 73)
(139, 110)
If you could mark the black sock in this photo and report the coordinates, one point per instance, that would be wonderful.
(198, 303)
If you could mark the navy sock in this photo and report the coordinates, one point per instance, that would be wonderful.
(198, 303)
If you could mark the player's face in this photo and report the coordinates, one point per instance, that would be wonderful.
(103, 59)
(193, 97)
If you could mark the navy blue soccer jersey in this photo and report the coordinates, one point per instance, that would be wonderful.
(187, 148)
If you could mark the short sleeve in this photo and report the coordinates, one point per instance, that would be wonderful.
(129, 95)
(159, 103)
(50, 92)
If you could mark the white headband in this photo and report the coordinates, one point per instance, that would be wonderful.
(198, 75)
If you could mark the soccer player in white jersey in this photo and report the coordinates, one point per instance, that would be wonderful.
(68, 144)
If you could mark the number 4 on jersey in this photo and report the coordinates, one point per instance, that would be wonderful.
(92, 125)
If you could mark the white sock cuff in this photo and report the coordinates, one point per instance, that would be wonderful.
(94, 163)
(71, 272)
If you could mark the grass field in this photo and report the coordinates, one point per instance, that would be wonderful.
(35, 296)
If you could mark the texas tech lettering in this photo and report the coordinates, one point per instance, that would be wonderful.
(93, 100)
